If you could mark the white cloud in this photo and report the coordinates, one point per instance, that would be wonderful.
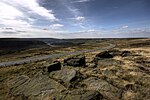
(80, 18)
(32, 6)
(39, 33)
(82, 1)
(56, 26)
(11, 16)
(9, 12)
(91, 30)
(79, 25)
(124, 27)
(85, 34)
(73, 10)
(19, 13)
(26, 33)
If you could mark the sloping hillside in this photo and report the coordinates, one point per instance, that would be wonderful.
(10, 45)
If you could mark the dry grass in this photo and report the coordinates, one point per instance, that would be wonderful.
(128, 72)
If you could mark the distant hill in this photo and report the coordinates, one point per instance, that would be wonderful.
(14, 44)
(20, 44)
(58, 42)
(65, 42)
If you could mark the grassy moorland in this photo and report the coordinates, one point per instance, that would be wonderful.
(119, 73)
(11, 49)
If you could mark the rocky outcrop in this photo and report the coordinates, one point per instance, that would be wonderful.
(116, 52)
(56, 65)
(66, 75)
(108, 62)
(75, 61)
(77, 94)
(117, 75)
(41, 87)
(106, 89)
(33, 88)
(104, 54)
(101, 56)
(110, 54)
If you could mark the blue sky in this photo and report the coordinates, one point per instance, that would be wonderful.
(74, 18)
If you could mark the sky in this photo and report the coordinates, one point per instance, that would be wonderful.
(74, 18)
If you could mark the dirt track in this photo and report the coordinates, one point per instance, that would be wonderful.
(31, 59)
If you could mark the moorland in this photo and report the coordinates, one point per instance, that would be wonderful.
(75, 69)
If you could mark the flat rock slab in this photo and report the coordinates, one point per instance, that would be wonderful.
(32, 87)
(77, 94)
(107, 90)
(108, 62)
(66, 75)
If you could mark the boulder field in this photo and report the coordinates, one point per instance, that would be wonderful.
(74, 79)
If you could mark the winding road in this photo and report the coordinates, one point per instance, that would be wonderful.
(32, 59)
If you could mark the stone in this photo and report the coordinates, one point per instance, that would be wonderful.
(92, 65)
(33, 87)
(131, 95)
(79, 94)
(125, 53)
(115, 52)
(104, 54)
(75, 61)
(20, 97)
(67, 75)
(20, 80)
(130, 86)
(54, 66)
(109, 62)
(107, 90)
